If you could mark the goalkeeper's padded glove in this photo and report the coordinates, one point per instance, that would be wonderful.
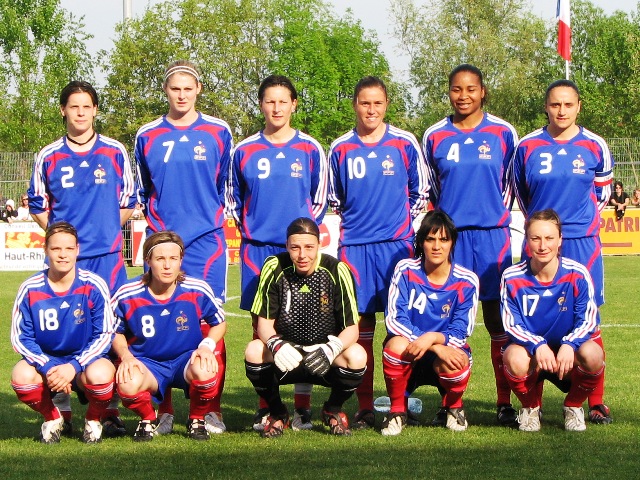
(285, 355)
(321, 355)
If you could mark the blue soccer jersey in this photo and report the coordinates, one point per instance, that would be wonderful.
(272, 185)
(573, 177)
(469, 171)
(377, 189)
(416, 306)
(561, 312)
(47, 325)
(85, 189)
(182, 174)
(165, 329)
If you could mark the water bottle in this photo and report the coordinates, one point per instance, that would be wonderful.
(383, 405)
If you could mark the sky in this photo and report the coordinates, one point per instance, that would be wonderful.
(101, 16)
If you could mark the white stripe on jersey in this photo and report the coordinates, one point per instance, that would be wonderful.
(128, 184)
(390, 321)
(35, 282)
(465, 274)
(320, 198)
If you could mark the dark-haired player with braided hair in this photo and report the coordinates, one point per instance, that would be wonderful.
(306, 308)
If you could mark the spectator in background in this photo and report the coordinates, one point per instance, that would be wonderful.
(619, 199)
(23, 209)
(138, 212)
(635, 199)
(9, 214)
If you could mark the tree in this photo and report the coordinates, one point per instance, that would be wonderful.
(41, 50)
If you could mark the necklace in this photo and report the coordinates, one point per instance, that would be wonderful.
(81, 143)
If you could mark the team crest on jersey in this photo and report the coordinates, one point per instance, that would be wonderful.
(561, 303)
(484, 151)
(182, 320)
(199, 152)
(324, 302)
(78, 314)
(446, 308)
(578, 165)
(387, 166)
(296, 168)
(100, 175)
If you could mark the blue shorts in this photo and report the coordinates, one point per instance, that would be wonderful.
(109, 267)
(372, 266)
(168, 373)
(487, 253)
(252, 257)
(423, 373)
(206, 258)
(588, 252)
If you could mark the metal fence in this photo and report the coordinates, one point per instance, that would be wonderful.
(15, 171)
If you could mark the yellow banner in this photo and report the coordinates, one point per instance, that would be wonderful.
(620, 237)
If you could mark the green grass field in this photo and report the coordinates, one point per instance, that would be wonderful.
(483, 451)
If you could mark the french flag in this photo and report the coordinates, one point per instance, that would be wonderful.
(563, 14)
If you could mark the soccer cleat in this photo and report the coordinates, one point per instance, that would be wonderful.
(275, 426)
(337, 422)
(574, 419)
(67, 428)
(214, 424)
(301, 419)
(197, 429)
(529, 419)
(393, 424)
(113, 427)
(364, 419)
(600, 414)
(440, 420)
(412, 419)
(92, 432)
(145, 431)
(260, 419)
(165, 424)
(507, 416)
(456, 420)
(51, 430)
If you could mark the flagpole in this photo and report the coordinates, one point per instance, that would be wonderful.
(566, 63)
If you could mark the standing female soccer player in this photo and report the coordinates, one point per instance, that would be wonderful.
(63, 327)
(549, 313)
(470, 153)
(378, 185)
(277, 175)
(432, 311)
(183, 164)
(85, 178)
(159, 342)
(568, 168)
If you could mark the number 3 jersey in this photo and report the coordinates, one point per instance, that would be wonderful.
(164, 329)
(562, 311)
(573, 177)
(377, 189)
(182, 174)
(47, 325)
(85, 189)
(416, 306)
(272, 185)
(470, 181)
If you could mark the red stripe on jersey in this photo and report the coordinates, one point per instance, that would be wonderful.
(152, 135)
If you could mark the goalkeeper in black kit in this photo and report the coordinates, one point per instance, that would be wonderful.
(307, 309)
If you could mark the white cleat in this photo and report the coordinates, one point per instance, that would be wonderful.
(393, 424)
(165, 424)
(574, 419)
(456, 419)
(214, 424)
(92, 432)
(301, 420)
(51, 430)
(529, 419)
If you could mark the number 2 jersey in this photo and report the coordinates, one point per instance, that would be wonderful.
(165, 329)
(416, 306)
(85, 189)
(182, 174)
(47, 325)
(573, 177)
(272, 185)
(377, 189)
(470, 181)
(562, 311)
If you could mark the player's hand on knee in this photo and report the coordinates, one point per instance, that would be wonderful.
(126, 369)
(285, 355)
(321, 355)
(204, 352)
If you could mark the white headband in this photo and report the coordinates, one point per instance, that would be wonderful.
(182, 69)
(157, 245)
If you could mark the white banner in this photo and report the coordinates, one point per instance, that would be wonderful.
(21, 246)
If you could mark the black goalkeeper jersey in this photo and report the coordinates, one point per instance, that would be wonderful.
(306, 309)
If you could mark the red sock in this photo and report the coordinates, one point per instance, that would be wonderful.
(201, 393)
(596, 397)
(140, 404)
(454, 384)
(524, 388)
(502, 385)
(582, 384)
(396, 376)
(166, 406)
(99, 397)
(37, 397)
(365, 390)
(221, 356)
(302, 395)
